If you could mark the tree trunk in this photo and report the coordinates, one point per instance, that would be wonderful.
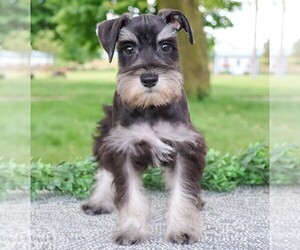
(194, 59)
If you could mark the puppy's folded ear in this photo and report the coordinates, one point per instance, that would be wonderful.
(108, 32)
(178, 20)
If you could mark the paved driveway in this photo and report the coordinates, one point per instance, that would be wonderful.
(237, 220)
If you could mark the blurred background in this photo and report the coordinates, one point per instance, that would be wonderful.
(241, 46)
(241, 77)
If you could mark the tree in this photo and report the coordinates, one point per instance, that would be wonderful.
(45, 41)
(74, 24)
(42, 16)
(17, 40)
(14, 16)
(296, 49)
(194, 59)
(215, 16)
(266, 52)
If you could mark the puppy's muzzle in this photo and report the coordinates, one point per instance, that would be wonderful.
(149, 80)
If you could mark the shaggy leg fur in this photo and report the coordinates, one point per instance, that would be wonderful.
(102, 198)
(183, 218)
(133, 210)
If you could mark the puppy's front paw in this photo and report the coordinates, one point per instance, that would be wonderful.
(129, 237)
(182, 238)
(96, 210)
(184, 222)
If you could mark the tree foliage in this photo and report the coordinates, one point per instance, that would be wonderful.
(17, 40)
(42, 16)
(133, 6)
(73, 22)
(14, 17)
(45, 41)
(76, 27)
(215, 16)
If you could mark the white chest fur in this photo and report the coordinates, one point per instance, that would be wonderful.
(123, 139)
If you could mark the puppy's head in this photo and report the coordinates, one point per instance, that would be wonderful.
(149, 70)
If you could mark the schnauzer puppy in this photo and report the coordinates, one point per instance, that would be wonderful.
(148, 124)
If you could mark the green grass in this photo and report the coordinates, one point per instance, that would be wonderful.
(15, 119)
(235, 114)
(64, 112)
(284, 110)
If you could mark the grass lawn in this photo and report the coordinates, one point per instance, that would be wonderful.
(284, 110)
(15, 120)
(64, 112)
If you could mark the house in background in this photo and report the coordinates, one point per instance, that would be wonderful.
(41, 59)
(234, 61)
(13, 59)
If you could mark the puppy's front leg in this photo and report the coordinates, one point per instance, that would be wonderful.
(132, 206)
(183, 217)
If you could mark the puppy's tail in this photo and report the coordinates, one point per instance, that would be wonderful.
(102, 130)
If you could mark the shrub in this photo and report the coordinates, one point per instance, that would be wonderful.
(13, 176)
(285, 166)
(66, 178)
(222, 172)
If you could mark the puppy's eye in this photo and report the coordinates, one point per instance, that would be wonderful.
(166, 47)
(129, 49)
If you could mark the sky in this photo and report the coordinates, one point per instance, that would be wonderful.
(241, 36)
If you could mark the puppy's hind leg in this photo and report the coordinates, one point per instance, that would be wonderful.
(101, 200)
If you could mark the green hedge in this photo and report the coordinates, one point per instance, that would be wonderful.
(222, 172)
(13, 176)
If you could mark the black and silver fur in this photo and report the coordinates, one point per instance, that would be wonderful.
(147, 125)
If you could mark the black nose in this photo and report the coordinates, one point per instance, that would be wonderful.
(149, 80)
